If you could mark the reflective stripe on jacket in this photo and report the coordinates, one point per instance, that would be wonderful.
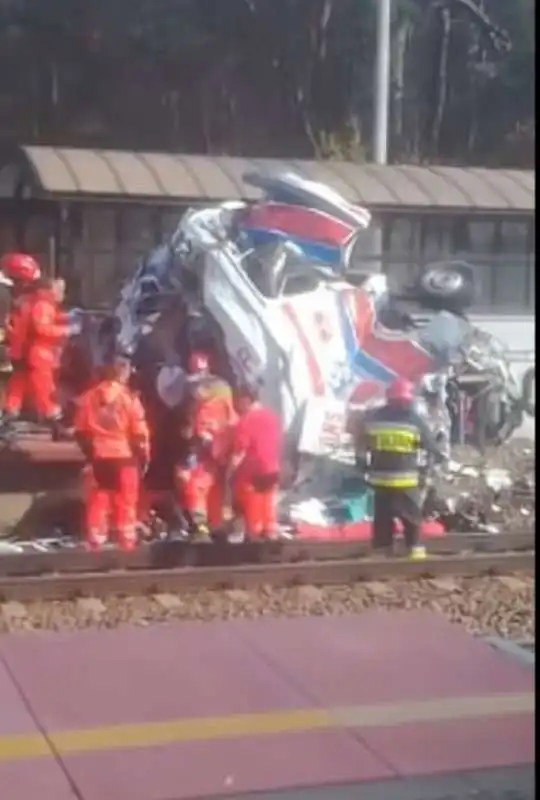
(111, 418)
(394, 449)
(392, 437)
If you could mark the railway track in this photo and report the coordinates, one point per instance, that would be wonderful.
(180, 567)
(169, 554)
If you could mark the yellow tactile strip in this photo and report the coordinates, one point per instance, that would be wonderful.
(154, 734)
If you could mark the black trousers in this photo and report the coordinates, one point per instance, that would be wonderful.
(396, 504)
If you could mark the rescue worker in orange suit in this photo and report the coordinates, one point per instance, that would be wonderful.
(47, 332)
(111, 430)
(21, 272)
(208, 415)
(38, 335)
(255, 464)
(388, 443)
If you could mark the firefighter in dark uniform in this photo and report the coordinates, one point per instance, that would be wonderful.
(391, 438)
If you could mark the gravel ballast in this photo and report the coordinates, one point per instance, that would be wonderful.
(500, 606)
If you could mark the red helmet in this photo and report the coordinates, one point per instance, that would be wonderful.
(400, 391)
(198, 362)
(20, 267)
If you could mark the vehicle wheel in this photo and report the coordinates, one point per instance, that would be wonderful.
(447, 286)
(528, 392)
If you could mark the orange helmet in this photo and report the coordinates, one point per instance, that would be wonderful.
(20, 267)
(400, 391)
(198, 362)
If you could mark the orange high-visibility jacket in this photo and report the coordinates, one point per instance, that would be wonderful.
(211, 415)
(111, 418)
(210, 406)
(46, 328)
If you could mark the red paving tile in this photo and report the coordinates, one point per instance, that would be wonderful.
(43, 780)
(383, 657)
(14, 715)
(199, 769)
(429, 748)
(94, 678)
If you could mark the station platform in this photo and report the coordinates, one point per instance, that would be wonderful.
(318, 707)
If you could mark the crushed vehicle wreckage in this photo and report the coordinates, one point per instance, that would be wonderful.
(279, 293)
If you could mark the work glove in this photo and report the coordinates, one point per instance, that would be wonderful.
(74, 326)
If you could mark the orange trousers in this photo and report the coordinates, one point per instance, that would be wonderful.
(42, 389)
(256, 507)
(111, 503)
(35, 387)
(200, 492)
(16, 392)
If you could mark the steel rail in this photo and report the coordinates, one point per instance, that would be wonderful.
(173, 554)
(249, 576)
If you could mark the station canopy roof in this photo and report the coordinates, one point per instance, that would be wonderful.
(57, 172)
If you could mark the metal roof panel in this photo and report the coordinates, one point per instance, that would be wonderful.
(72, 171)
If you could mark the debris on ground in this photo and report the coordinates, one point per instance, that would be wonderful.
(491, 493)
(500, 606)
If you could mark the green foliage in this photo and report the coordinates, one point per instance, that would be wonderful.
(268, 77)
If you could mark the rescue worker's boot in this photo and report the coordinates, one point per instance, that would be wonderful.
(200, 531)
(180, 527)
(418, 553)
(59, 431)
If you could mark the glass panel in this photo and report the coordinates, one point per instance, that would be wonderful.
(401, 236)
(437, 238)
(481, 244)
(531, 304)
(401, 273)
(532, 270)
(7, 234)
(510, 282)
(138, 229)
(511, 266)
(481, 236)
(99, 225)
(170, 218)
(38, 231)
(514, 235)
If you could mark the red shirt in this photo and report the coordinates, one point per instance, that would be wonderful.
(258, 434)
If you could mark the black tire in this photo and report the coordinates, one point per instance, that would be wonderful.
(528, 392)
(448, 287)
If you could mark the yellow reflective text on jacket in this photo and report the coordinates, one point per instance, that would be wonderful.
(394, 440)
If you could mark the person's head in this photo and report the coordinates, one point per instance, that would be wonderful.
(198, 363)
(118, 370)
(400, 393)
(19, 269)
(246, 396)
(58, 287)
